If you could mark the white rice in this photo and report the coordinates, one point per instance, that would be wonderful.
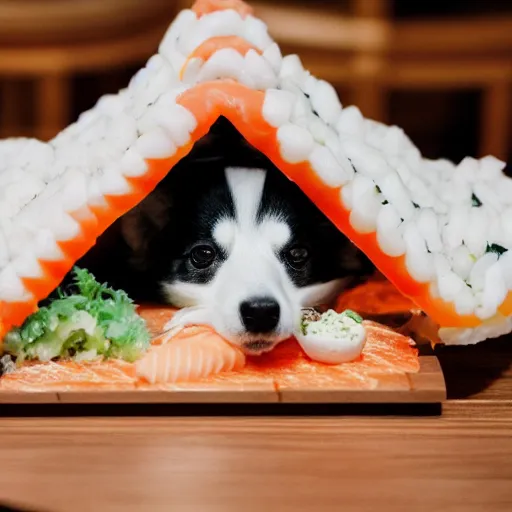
(296, 143)
(326, 166)
(155, 144)
(278, 107)
(365, 211)
(274, 57)
(390, 231)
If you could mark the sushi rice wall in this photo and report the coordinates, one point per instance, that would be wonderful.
(441, 232)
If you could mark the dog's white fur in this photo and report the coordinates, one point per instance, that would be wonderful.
(252, 269)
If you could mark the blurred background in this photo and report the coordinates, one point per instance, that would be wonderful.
(440, 70)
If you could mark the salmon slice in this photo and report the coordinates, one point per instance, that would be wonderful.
(196, 353)
(206, 49)
(202, 7)
(377, 297)
(71, 376)
(156, 317)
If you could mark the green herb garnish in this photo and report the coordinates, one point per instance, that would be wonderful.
(95, 322)
(353, 315)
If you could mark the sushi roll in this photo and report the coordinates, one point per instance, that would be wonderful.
(440, 232)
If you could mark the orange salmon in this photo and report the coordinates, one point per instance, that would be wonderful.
(71, 376)
(202, 7)
(376, 296)
(194, 353)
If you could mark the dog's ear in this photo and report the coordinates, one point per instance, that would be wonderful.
(142, 224)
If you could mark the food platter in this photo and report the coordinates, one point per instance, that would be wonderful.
(389, 371)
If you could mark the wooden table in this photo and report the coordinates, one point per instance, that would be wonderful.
(282, 459)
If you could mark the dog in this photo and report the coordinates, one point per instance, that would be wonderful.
(234, 243)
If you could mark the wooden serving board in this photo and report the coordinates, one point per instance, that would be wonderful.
(426, 386)
(381, 377)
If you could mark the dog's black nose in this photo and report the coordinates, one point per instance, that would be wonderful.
(260, 315)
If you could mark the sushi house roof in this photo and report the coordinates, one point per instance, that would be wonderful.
(408, 214)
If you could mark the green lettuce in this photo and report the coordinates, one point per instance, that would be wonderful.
(94, 322)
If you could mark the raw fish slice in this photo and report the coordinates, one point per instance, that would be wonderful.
(375, 297)
(209, 6)
(71, 376)
(196, 353)
(156, 317)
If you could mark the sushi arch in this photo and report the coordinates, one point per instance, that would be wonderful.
(441, 232)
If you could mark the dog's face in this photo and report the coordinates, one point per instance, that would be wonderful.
(248, 247)
(226, 233)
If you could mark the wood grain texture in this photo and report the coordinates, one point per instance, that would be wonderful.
(11, 397)
(258, 394)
(233, 464)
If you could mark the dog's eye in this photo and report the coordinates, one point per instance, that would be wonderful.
(297, 256)
(202, 256)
